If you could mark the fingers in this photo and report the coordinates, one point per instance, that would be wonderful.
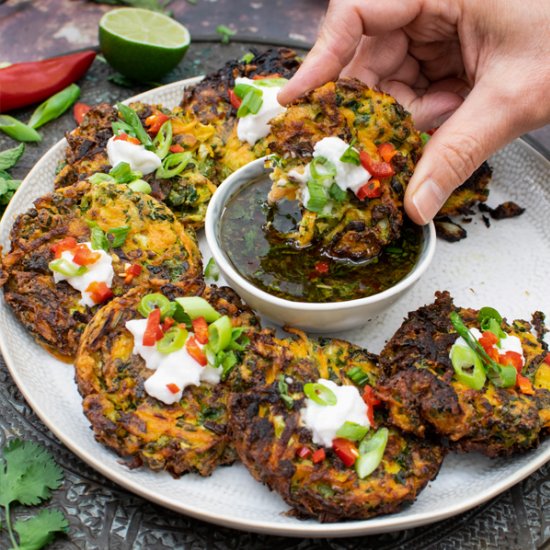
(484, 123)
(344, 25)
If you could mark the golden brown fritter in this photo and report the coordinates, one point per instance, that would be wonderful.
(155, 240)
(424, 397)
(347, 109)
(268, 434)
(187, 436)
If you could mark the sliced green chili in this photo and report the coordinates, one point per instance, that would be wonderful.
(66, 268)
(219, 333)
(211, 271)
(195, 306)
(121, 126)
(371, 452)
(468, 367)
(17, 130)
(352, 431)
(55, 106)
(320, 394)
(173, 340)
(132, 119)
(163, 140)
(173, 164)
(152, 301)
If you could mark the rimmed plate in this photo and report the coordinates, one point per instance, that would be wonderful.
(506, 266)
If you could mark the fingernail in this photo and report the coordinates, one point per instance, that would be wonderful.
(428, 199)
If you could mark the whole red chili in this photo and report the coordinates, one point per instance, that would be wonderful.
(26, 83)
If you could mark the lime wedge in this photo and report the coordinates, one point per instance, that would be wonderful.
(142, 44)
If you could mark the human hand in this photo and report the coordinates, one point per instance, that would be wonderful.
(481, 69)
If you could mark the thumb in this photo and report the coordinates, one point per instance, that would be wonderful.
(485, 122)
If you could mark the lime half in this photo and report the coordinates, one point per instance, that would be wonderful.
(142, 44)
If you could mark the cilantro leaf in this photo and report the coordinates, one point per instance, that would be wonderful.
(39, 530)
(9, 157)
(28, 473)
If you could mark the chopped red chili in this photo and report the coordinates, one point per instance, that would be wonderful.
(84, 256)
(68, 243)
(155, 121)
(234, 100)
(200, 328)
(195, 351)
(177, 148)
(371, 190)
(153, 331)
(99, 292)
(318, 456)
(345, 450)
(524, 384)
(173, 388)
(79, 111)
(303, 452)
(375, 168)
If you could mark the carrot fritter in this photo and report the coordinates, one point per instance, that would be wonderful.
(154, 240)
(187, 436)
(269, 436)
(424, 397)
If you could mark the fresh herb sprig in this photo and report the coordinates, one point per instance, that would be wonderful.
(8, 186)
(28, 475)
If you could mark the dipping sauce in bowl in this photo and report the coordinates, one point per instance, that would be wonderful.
(304, 275)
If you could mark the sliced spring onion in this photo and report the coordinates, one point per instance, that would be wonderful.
(98, 238)
(17, 130)
(219, 333)
(371, 451)
(468, 367)
(240, 90)
(320, 394)
(238, 340)
(504, 377)
(163, 140)
(358, 376)
(173, 340)
(247, 57)
(282, 387)
(321, 168)
(336, 193)
(195, 306)
(130, 117)
(140, 186)
(228, 362)
(351, 156)
(173, 164)
(251, 103)
(120, 126)
(122, 173)
(318, 196)
(271, 82)
(100, 177)
(352, 431)
(152, 301)
(66, 268)
(211, 271)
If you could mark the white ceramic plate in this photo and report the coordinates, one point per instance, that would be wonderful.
(506, 266)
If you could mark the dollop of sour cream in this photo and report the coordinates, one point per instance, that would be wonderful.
(325, 420)
(99, 272)
(506, 343)
(139, 158)
(176, 369)
(251, 128)
(348, 175)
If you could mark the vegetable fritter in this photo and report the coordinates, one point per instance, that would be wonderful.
(353, 225)
(189, 435)
(273, 443)
(426, 394)
(135, 229)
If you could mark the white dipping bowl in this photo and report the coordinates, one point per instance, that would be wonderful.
(314, 317)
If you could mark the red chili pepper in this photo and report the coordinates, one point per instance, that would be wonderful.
(371, 190)
(488, 339)
(167, 323)
(375, 168)
(547, 359)
(512, 358)
(173, 388)
(68, 243)
(318, 456)
(200, 328)
(195, 351)
(525, 385)
(84, 256)
(155, 121)
(24, 83)
(345, 450)
(321, 267)
(177, 148)
(303, 452)
(153, 332)
(99, 291)
(79, 110)
(132, 271)
(371, 401)
(234, 99)
(387, 151)
(125, 137)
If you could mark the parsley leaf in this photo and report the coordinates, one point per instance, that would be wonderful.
(39, 530)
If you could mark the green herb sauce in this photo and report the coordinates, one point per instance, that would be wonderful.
(286, 272)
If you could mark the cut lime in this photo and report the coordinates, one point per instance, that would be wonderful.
(142, 44)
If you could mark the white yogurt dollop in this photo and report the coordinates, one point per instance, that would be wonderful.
(176, 369)
(325, 420)
(98, 272)
(139, 158)
(251, 128)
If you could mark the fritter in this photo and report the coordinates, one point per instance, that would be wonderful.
(425, 396)
(273, 443)
(186, 193)
(189, 435)
(209, 102)
(355, 225)
(135, 229)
